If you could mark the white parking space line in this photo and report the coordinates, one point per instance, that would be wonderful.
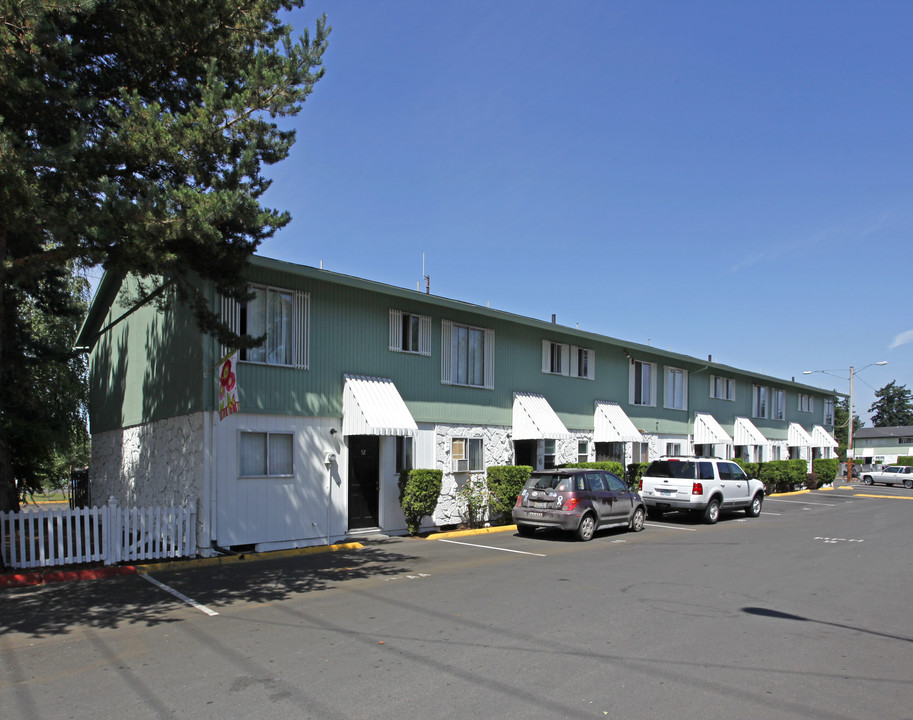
(800, 502)
(670, 527)
(179, 596)
(489, 547)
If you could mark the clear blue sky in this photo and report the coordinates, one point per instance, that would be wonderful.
(725, 178)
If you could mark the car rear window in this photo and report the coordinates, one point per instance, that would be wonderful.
(548, 482)
(682, 469)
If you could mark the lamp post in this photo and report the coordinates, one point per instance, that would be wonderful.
(850, 423)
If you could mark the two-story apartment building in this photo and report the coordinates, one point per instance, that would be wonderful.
(882, 445)
(358, 380)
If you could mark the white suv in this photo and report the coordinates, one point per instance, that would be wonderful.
(703, 485)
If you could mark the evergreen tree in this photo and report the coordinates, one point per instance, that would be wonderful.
(893, 407)
(132, 136)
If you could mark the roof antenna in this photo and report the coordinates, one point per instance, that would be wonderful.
(427, 278)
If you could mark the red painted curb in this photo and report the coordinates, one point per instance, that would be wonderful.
(43, 578)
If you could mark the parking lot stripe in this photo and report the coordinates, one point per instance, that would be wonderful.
(180, 596)
(489, 547)
(800, 502)
(670, 527)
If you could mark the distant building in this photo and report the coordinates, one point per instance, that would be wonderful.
(358, 381)
(882, 445)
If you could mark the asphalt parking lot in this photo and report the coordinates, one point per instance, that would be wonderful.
(799, 613)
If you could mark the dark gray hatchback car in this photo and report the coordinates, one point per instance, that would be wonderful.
(577, 500)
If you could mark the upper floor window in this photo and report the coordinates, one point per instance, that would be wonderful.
(806, 403)
(778, 399)
(829, 411)
(281, 315)
(722, 388)
(676, 388)
(467, 355)
(642, 383)
(759, 401)
(905, 441)
(563, 359)
(410, 333)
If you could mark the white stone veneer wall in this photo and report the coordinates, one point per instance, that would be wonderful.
(497, 449)
(160, 463)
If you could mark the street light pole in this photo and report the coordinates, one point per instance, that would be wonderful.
(850, 422)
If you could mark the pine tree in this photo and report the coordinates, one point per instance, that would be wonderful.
(132, 136)
(893, 407)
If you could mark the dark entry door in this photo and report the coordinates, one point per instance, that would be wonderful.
(364, 481)
(525, 453)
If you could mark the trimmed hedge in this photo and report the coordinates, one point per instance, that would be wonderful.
(504, 485)
(616, 468)
(905, 460)
(826, 469)
(419, 491)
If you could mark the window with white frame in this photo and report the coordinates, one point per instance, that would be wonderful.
(410, 333)
(467, 355)
(642, 383)
(282, 316)
(583, 451)
(466, 454)
(673, 449)
(266, 454)
(548, 452)
(778, 400)
(676, 388)
(722, 388)
(759, 401)
(829, 411)
(403, 454)
(564, 359)
(806, 403)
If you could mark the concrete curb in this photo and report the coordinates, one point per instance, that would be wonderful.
(45, 577)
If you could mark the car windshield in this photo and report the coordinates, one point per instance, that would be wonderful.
(547, 482)
(684, 470)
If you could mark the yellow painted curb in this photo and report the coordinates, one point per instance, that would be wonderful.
(786, 494)
(478, 531)
(244, 557)
(889, 497)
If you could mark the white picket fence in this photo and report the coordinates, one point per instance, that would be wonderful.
(108, 534)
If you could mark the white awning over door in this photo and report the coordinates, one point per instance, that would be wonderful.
(611, 424)
(821, 438)
(798, 437)
(747, 434)
(707, 431)
(534, 419)
(373, 406)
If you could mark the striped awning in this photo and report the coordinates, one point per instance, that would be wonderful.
(534, 419)
(747, 434)
(373, 406)
(707, 431)
(821, 438)
(611, 424)
(798, 437)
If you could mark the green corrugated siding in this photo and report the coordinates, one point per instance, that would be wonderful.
(148, 366)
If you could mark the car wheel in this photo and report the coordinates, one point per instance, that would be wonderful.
(712, 512)
(754, 509)
(655, 514)
(867, 479)
(586, 528)
(637, 520)
(908, 483)
(526, 530)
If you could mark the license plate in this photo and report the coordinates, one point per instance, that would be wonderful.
(536, 514)
(666, 492)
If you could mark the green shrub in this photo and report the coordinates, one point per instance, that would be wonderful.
(775, 476)
(616, 468)
(473, 498)
(826, 469)
(905, 460)
(504, 485)
(419, 491)
(798, 469)
(635, 473)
